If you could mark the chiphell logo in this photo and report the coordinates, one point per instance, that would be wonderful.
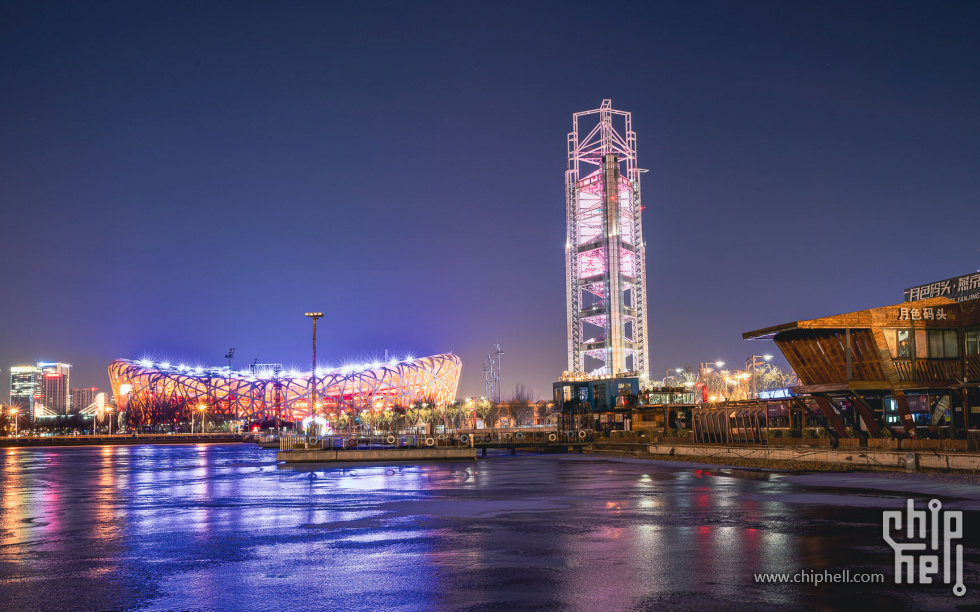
(914, 546)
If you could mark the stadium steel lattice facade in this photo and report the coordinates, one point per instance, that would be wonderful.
(604, 249)
(155, 393)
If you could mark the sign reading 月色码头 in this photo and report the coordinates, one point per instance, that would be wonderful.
(922, 314)
(959, 288)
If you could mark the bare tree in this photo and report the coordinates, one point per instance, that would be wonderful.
(770, 377)
(521, 408)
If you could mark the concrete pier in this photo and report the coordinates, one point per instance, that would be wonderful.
(850, 458)
(376, 455)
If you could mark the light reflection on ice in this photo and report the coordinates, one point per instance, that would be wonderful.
(223, 527)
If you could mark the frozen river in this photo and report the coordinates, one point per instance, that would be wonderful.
(223, 527)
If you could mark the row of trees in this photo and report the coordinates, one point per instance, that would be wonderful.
(175, 414)
(60, 424)
(453, 416)
(720, 385)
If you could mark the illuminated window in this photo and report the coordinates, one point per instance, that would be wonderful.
(899, 343)
(904, 346)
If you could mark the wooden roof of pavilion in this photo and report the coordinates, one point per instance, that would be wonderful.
(860, 318)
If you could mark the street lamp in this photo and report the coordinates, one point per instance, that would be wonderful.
(202, 408)
(313, 406)
(706, 366)
(108, 411)
(752, 364)
(13, 413)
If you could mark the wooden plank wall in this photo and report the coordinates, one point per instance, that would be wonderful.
(819, 356)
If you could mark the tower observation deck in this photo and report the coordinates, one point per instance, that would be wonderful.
(605, 264)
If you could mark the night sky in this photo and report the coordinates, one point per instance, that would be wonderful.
(177, 178)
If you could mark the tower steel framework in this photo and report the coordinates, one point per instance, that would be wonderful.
(605, 262)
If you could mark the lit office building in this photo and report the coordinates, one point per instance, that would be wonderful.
(25, 384)
(54, 384)
(82, 397)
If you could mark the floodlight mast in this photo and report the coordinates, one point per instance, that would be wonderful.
(498, 353)
(605, 262)
(487, 373)
(314, 316)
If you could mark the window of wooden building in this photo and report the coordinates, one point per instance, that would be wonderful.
(899, 343)
(943, 344)
(929, 344)
(973, 342)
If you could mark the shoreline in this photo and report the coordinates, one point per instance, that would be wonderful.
(123, 440)
(790, 459)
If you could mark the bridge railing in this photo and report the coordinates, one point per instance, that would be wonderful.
(374, 441)
(401, 440)
(581, 436)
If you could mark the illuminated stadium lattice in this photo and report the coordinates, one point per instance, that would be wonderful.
(154, 393)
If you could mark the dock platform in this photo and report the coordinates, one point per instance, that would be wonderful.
(376, 454)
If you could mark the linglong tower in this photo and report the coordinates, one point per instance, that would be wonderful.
(605, 265)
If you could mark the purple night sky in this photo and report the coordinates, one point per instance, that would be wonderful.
(180, 178)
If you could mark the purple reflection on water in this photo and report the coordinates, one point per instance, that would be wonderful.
(224, 528)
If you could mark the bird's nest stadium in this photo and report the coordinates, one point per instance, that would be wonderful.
(154, 393)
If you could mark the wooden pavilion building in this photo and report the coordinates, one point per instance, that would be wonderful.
(915, 364)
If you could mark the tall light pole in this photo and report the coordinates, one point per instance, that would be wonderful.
(487, 373)
(703, 368)
(752, 363)
(314, 316)
(498, 353)
(13, 413)
(229, 356)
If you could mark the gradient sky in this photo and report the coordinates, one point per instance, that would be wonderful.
(177, 178)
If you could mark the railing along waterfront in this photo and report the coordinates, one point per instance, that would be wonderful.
(119, 438)
(401, 440)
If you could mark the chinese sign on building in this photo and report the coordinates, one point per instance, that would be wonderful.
(922, 314)
(960, 288)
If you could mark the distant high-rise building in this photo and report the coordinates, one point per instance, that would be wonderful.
(605, 258)
(82, 398)
(54, 395)
(25, 385)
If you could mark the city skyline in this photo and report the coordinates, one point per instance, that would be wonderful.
(194, 187)
(489, 306)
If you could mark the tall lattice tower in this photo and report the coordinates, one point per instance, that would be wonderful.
(605, 265)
